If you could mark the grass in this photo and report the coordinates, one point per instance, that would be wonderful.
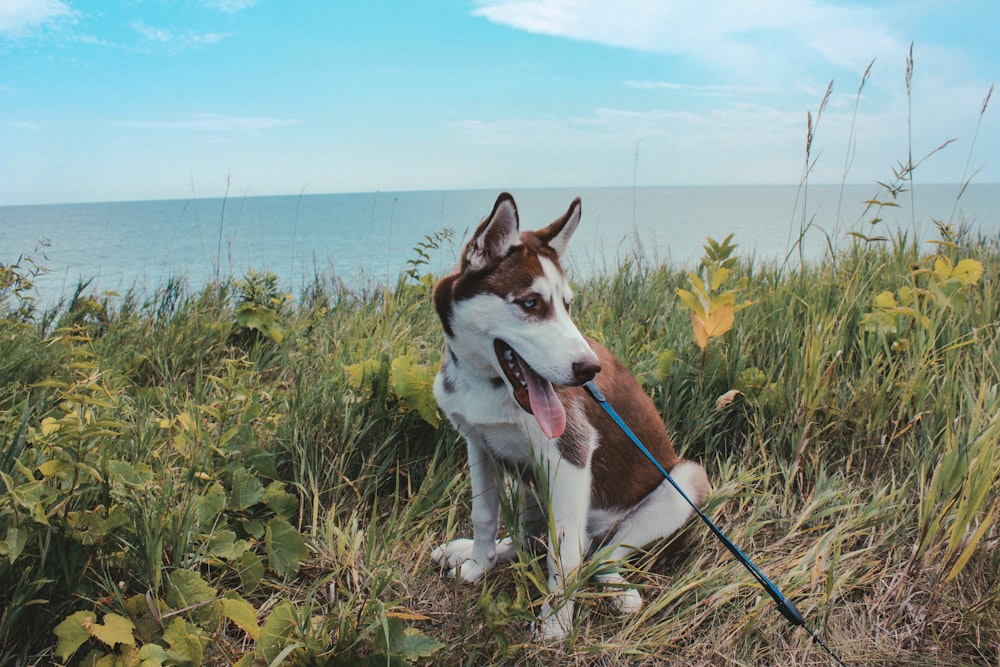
(225, 476)
(167, 461)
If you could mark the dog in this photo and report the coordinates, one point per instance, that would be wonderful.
(511, 381)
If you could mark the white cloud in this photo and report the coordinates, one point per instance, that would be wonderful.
(746, 36)
(214, 123)
(707, 89)
(20, 17)
(154, 35)
(230, 6)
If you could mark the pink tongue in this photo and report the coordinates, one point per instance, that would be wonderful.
(545, 405)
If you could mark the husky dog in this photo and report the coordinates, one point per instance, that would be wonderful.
(510, 381)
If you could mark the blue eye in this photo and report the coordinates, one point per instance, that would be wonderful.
(528, 304)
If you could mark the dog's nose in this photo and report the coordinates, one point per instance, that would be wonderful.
(584, 371)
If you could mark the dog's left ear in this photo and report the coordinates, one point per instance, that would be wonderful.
(558, 234)
(495, 236)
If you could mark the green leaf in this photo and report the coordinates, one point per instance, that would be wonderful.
(124, 475)
(260, 461)
(81, 626)
(282, 503)
(73, 632)
(260, 318)
(286, 548)
(223, 544)
(414, 385)
(242, 613)
(408, 643)
(152, 655)
(247, 490)
(115, 630)
(185, 643)
(415, 644)
(186, 589)
(250, 570)
(14, 543)
(210, 504)
(278, 632)
(90, 527)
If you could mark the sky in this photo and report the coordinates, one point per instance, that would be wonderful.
(174, 99)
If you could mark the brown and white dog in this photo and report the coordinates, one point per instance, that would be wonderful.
(511, 381)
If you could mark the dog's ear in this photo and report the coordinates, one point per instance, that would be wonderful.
(495, 236)
(558, 234)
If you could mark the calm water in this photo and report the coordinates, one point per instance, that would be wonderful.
(368, 237)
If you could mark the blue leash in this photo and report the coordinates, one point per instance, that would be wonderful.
(785, 606)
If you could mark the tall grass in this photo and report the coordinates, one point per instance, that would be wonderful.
(230, 477)
(858, 466)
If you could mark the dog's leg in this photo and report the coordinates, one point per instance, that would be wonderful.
(660, 514)
(471, 559)
(569, 499)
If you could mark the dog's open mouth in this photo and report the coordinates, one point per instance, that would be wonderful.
(532, 392)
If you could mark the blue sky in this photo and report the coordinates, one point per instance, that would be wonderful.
(152, 99)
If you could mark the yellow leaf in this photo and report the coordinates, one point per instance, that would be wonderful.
(700, 334)
(720, 300)
(698, 286)
(968, 271)
(718, 277)
(720, 321)
(407, 614)
(943, 267)
(49, 425)
(358, 374)
(692, 302)
(185, 421)
(885, 300)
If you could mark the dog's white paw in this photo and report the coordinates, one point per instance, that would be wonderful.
(624, 599)
(457, 557)
(553, 625)
(628, 601)
(452, 554)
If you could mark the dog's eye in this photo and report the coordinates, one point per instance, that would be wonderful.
(528, 303)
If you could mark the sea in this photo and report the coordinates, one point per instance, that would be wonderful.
(364, 239)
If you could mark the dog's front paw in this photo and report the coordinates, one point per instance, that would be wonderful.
(628, 601)
(625, 600)
(456, 557)
(461, 561)
(552, 625)
(451, 554)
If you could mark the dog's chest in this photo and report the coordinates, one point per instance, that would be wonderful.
(484, 412)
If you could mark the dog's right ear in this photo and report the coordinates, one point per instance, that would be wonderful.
(495, 236)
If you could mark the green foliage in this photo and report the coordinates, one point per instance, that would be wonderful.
(259, 305)
(17, 286)
(713, 310)
(174, 496)
(181, 486)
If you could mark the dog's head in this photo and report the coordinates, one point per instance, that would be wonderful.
(505, 311)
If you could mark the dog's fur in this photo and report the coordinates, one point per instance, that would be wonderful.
(510, 383)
